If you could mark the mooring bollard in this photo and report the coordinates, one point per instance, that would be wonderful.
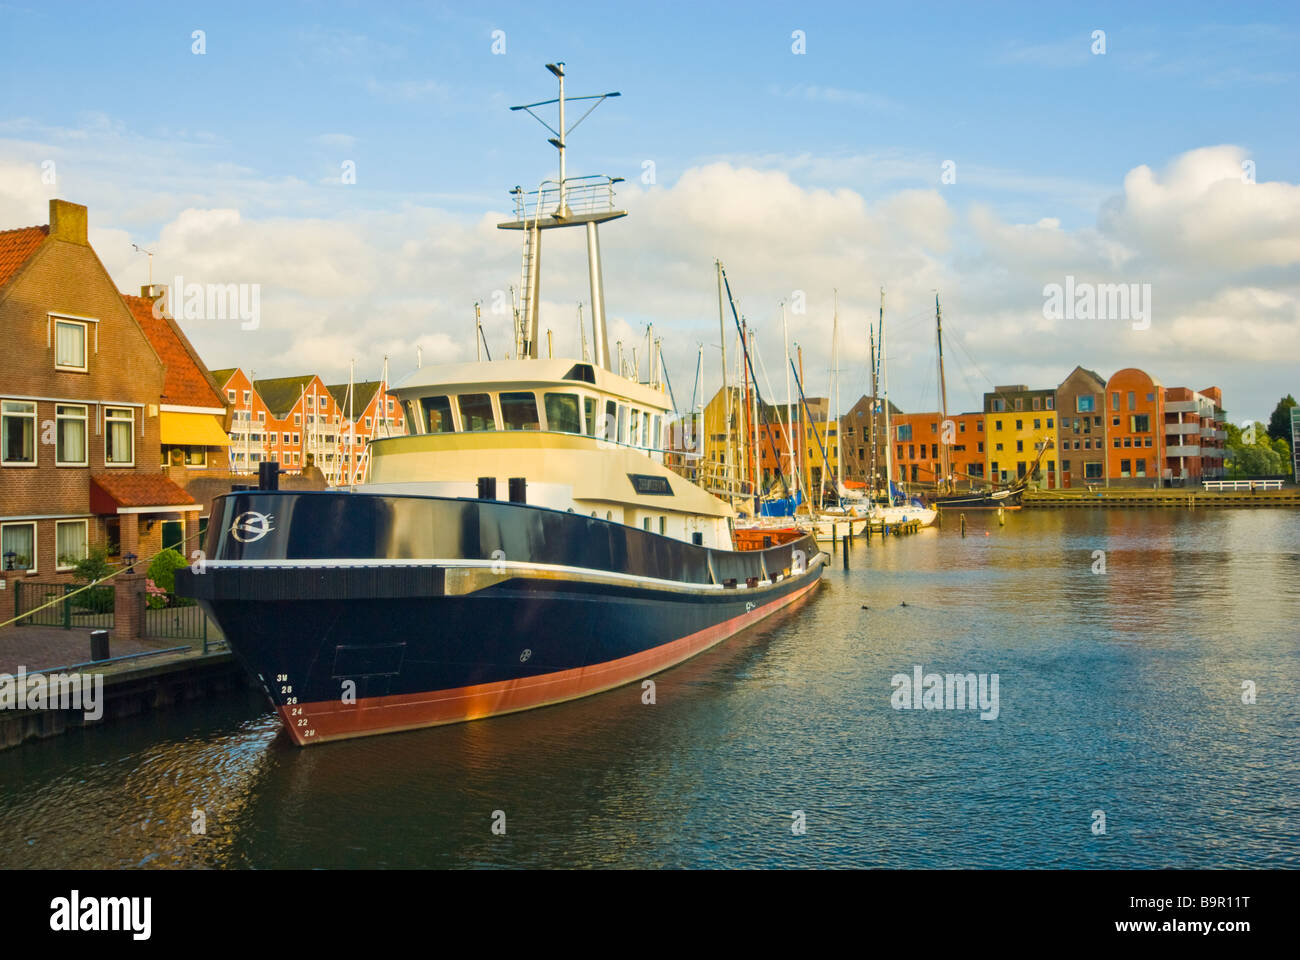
(963, 525)
(99, 645)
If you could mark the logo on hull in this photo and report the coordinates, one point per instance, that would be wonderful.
(251, 526)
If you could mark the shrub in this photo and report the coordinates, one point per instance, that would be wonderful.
(162, 571)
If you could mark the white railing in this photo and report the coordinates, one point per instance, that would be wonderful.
(582, 195)
(1243, 484)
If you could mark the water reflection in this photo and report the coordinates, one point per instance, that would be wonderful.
(1119, 691)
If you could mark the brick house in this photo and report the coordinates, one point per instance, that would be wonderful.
(80, 392)
(1081, 399)
(194, 416)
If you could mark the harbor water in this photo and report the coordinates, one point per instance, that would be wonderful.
(1126, 644)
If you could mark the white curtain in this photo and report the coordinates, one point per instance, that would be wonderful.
(72, 441)
(70, 342)
(70, 542)
(19, 539)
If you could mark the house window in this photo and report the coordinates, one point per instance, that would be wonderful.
(18, 433)
(1020, 446)
(261, 416)
(1147, 442)
(230, 395)
(1141, 470)
(119, 436)
(1020, 424)
(1140, 423)
(1051, 423)
(1092, 470)
(981, 446)
(1038, 403)
(69, 345)
(1051, 403)
(20, 540)
(70, 435)
(297, 421)
(905, 431)
(70, 543)
(1125, 468)
(296, 439)
(1020, 403)
(248, 396)
(1084, 404)
(1132, 400)
(1065, 466)
(1038, 424)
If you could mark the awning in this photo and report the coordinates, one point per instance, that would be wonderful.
(131, 492)
(193, 430)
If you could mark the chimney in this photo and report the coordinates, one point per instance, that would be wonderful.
(155, 293)
(68, 222)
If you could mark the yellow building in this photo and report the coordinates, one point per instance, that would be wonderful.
(1018, 424)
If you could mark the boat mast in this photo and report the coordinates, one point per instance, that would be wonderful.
(944, 458)
(726, 393)
(789, 403)
(884, 376)
(839, 451)
(875, 413)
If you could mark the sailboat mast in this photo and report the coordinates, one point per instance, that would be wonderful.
(789, 403)
(884, 376)
(943, 398)
(875, 402)
(726, 393)
(839, 452)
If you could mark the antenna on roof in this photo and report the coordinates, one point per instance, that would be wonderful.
(140, 249)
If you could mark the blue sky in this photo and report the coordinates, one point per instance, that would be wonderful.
(1037, 125)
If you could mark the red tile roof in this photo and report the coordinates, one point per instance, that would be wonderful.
(186, 383)
(136, 490)
(16, 246)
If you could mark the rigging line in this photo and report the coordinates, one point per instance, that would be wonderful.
(749, 363)
(663, 364)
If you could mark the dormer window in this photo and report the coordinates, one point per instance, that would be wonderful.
(70, 345)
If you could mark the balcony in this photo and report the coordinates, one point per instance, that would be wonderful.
(1182, 406)
(1183, 450)
(1182, 429)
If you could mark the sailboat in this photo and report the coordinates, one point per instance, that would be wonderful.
(903, 511)
(946, 496)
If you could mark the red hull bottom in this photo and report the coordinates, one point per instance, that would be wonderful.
(321, 721)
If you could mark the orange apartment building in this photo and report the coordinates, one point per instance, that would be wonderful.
(1135, 429)
(302, 421)
(918, 440)
(1194, 428)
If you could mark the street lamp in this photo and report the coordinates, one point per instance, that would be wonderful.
(130, 560)
(10, 557)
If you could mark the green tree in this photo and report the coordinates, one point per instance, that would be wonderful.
(90, 569)
(1261, 458)
(1279, 424)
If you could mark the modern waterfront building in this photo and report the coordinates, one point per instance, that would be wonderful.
(1019, 424)
(81, 394)
(1135, 429)
(1081, 430)
(1195, 434)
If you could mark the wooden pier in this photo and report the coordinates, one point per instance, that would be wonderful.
(1164, 497)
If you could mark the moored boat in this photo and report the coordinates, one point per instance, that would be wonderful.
(524, 545)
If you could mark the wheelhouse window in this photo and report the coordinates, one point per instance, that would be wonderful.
(69, 345)
(611, 420)
(119, 436)
(20, 540)
(622, 423)
(562, 413)
(476, 412)
(70, 435)
(519, 411)
(70, 543)
(589, 411)
(18, 432)
(634, 437)
(437, 414)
